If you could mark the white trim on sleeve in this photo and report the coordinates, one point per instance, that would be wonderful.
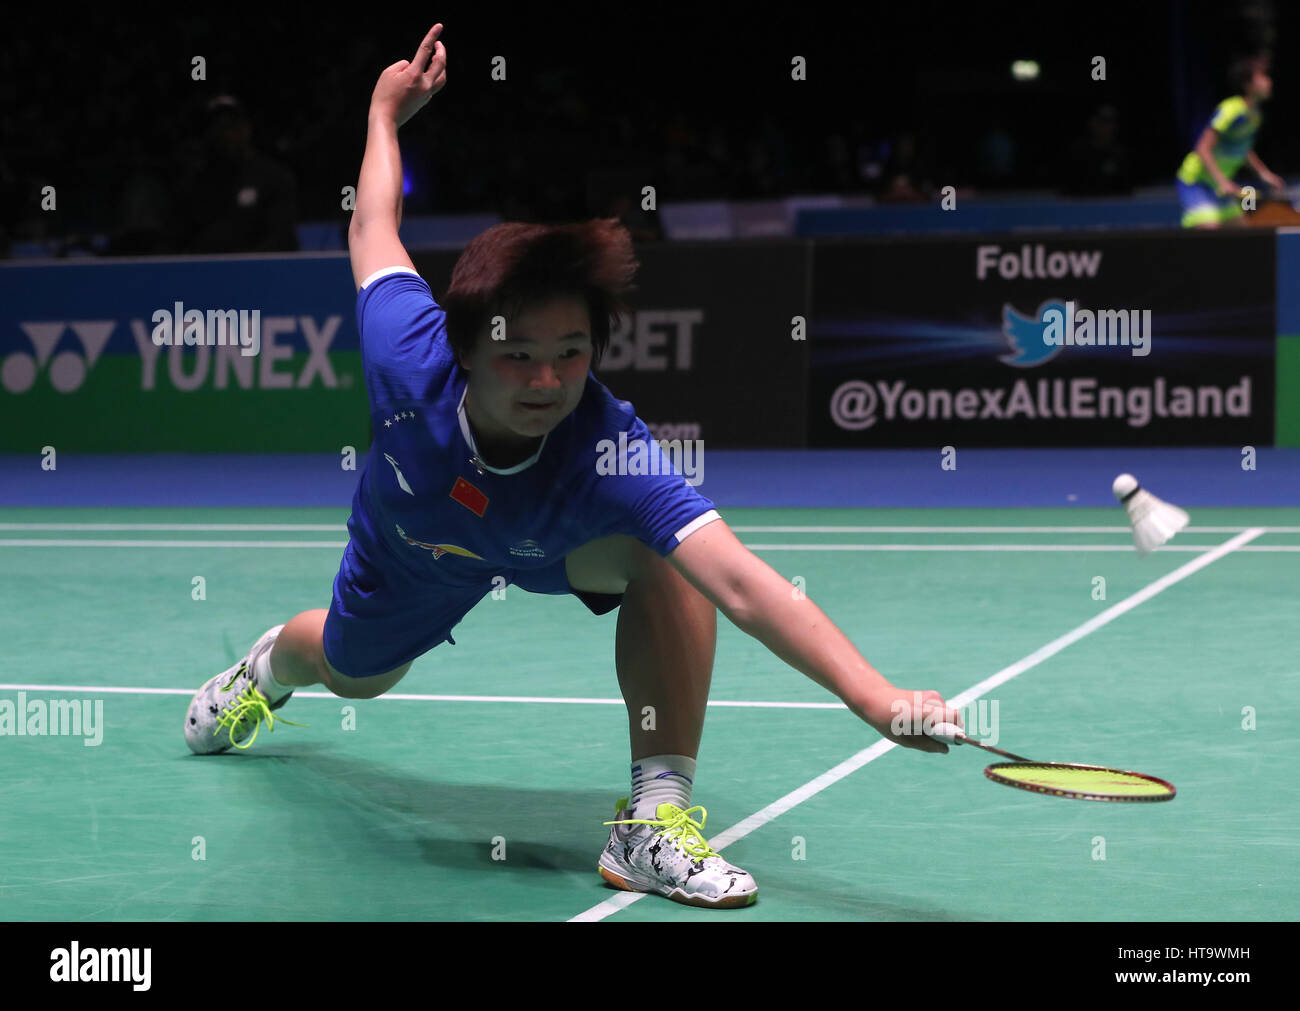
(384, 273)
(695, 524)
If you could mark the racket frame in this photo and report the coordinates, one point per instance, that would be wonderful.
(991, 773)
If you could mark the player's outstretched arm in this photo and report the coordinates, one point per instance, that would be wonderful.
(402, 90)
(756, 599)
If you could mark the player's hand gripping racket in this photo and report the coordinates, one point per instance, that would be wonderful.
(1077, 782)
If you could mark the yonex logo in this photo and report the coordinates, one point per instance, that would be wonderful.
(67, 369)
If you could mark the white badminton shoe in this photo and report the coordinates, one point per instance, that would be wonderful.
(229, 709)
(668, 855)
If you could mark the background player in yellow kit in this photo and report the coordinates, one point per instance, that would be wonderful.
(1206, 190)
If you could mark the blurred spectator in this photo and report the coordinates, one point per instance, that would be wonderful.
(769, 161)
(1098, 162)
(839, 166)
(679, 154)
(907, 176)
(143, 212)
(997, 155)
(236, 200)
(871, 158)
(718, 149)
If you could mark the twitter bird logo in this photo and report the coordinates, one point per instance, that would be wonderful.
(1025, 335)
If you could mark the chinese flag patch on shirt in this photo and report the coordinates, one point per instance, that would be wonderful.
(469, 496)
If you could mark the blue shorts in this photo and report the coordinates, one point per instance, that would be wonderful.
(1202, 205)
(376, 623)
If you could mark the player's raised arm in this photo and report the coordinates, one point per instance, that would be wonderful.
(760, 603)
(402, 90)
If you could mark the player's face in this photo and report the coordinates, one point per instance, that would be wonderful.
(1262, 84)
(525, 385)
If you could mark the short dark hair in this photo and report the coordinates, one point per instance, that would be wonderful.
(515, 265)
(1242, 71)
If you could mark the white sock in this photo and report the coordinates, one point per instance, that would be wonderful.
(661, 779)
(262, 677)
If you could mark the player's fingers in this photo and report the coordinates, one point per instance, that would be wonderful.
(920, 738)
(425, 51)
(933, 702)
(437, 66)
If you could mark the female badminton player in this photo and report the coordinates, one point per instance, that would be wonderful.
(483, 473)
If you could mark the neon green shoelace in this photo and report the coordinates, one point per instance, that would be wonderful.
(249, 704)
(681, 827)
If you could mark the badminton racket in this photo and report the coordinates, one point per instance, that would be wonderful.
(1060, 779)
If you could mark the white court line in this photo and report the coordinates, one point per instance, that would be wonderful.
(870, 754)
(339, 545)
(401, 697)
(342, 528)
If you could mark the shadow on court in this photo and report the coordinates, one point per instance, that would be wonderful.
(357, 806)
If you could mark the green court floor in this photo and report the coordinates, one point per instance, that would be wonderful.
(513, 742)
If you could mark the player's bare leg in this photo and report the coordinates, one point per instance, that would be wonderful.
(664, 648)
(663, 651)
(230, 708)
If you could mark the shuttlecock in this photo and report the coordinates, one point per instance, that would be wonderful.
(1154, 521)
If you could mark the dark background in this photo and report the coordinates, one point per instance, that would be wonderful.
(694, 99)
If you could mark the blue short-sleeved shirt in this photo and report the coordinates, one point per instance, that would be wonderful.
(432, 525)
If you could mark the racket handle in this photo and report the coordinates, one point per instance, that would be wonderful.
(949, 733)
